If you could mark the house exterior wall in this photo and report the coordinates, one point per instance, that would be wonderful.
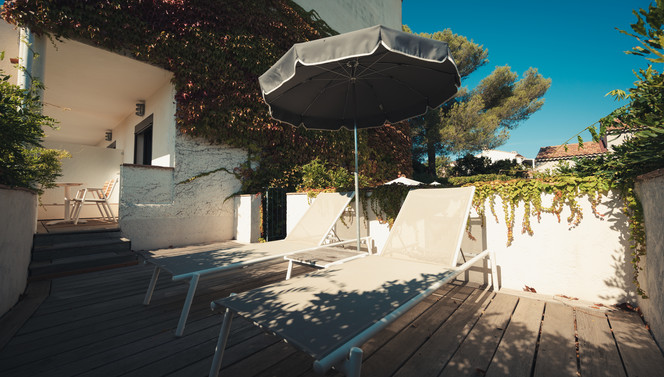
(348, 15)
(199, 211)
(495, 155)
(162, 107)
(17, 225)
(542, 166)
(650, 190)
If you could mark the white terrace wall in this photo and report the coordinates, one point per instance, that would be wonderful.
(590, 262)
(650, 190)
(17, 226)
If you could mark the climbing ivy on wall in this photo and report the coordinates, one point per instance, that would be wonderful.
(216, 51)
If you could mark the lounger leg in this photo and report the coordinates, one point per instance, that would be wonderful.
(221, 343)
(187, 304)
(153, 283)
(494, 270)
(353, 366)
(290, 269)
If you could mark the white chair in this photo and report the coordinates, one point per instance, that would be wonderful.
(99, 196)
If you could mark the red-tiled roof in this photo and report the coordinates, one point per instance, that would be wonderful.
(558, 152)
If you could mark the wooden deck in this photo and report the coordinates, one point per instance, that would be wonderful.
(95, 325)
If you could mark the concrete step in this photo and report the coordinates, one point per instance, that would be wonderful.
(40, 270)
(81, 238)
(73, 249)
(61, 254)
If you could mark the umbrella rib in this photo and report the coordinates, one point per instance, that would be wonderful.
(394, 79)
(320, 93)
(372, 64)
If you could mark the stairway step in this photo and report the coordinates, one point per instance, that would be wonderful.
(68, 250)
(80, 264)
(46, 241)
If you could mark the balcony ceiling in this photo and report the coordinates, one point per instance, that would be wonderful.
(88, 90)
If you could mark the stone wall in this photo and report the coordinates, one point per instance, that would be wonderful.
(17, 227)
(650, 190)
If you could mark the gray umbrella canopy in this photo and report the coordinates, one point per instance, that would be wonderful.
(364, 78)
(361, 79)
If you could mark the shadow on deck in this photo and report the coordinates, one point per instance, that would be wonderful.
(95, 324)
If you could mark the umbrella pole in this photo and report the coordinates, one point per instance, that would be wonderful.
(357, 191)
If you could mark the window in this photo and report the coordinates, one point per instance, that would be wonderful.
(143, 142)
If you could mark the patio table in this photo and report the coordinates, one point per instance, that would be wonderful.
(67, 189)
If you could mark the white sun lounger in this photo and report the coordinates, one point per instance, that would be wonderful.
(194, 262)
(330, 313)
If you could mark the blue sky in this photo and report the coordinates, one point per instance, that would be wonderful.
(572, 42)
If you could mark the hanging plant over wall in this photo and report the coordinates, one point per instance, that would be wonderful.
(216, 51)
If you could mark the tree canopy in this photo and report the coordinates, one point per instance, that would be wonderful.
(480, 118)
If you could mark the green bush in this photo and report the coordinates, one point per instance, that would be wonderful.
(23, 160)
(317, 175)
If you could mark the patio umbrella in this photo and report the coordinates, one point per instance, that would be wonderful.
(360, 79)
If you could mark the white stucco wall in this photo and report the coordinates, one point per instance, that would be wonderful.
(348, 15)
(162, 107)
(247, 217)
(650, 190)
(552, 165)
(17, 226)
(197, 211)
(590, 262)
(345, 227)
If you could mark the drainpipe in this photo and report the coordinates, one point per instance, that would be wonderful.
(31, 61)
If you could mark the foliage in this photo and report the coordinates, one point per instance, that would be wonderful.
(643, 116)
(386, 201)
(318, 175)
(649, 32)
(462, 181)
(216, 50)
(23, 161)
(566, 191)
(479, 119)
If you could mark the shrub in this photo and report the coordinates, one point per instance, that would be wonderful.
(23, 160)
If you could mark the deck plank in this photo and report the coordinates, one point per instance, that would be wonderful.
(516, 352)
(476, 351)
(395, 352)
(598, 353)
(435, 353)
(639, 352)
(556, 355)
(95, 325)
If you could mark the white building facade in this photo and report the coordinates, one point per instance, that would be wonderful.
(94, 95)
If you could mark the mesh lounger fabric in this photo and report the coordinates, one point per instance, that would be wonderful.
(308, 233)
(321, 311)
